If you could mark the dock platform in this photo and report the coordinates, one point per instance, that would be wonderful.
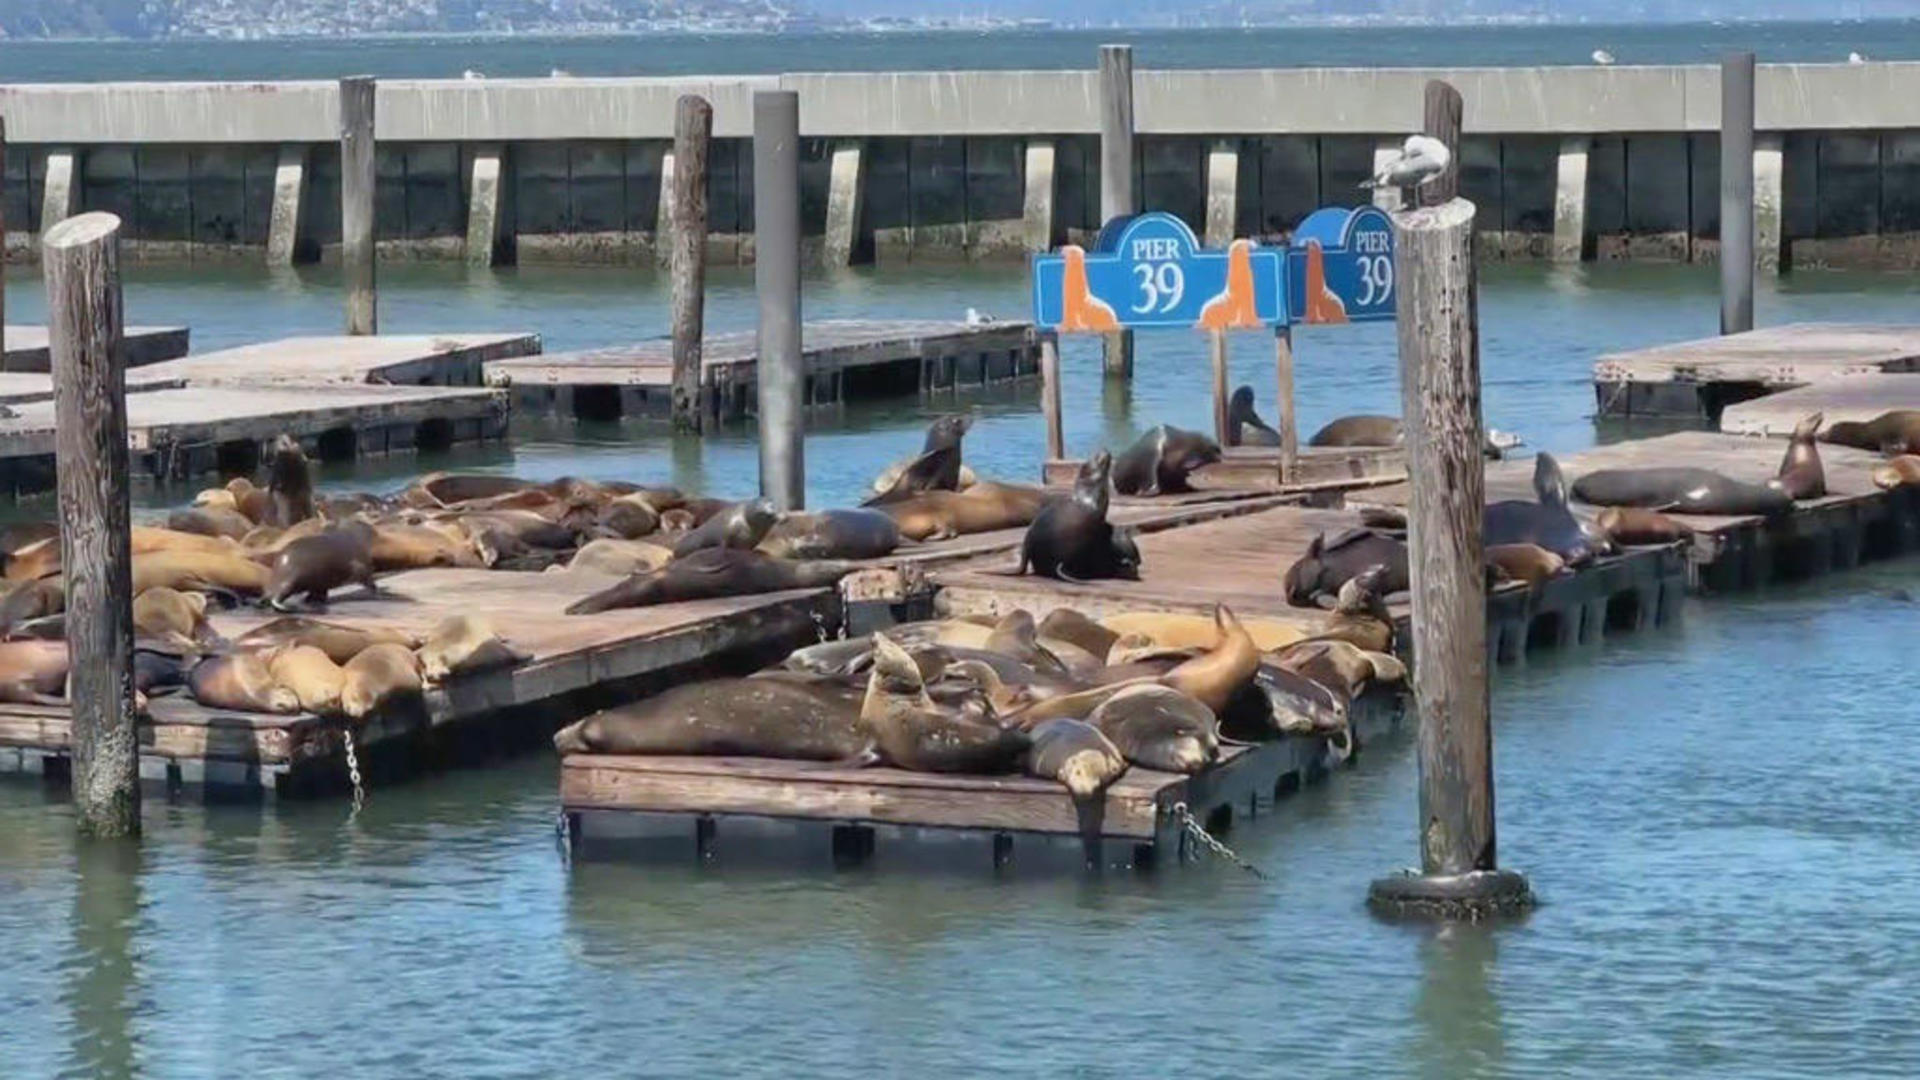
(844, 360)
(1857, 397)
(398, 359)
(1701, 378)
(578, 663)
(27, 348)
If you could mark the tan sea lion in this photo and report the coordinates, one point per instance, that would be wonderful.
(199, 571)
(1800, 475)
(1360, 614)
(340, 643)
(1214, 677)
(163, 611)
(378, 675)
(255, 502)
(33, 672)
(440, 489)
(146, 539)
(1901, 471)
(465, 643)
(1158, 727)
(208, 521)
(801, 719)
(1896, 431)
(1075, 753)
(912, 731)
(219, 498)
(620, 558)
(38, 559)
(1179, 630)
(1069, 625)
(1530, 563)
(985, 507)
(1633, 525)
(316, 681)
(398, 546)
(710, 573)
(339, 555)
(240, 681)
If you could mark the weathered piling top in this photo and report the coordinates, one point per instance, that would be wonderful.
(418, 359)
(1857, 397)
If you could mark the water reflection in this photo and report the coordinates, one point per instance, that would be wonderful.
(103, 995)
(1460, 1031)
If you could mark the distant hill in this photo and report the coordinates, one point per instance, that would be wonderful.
(75, 18)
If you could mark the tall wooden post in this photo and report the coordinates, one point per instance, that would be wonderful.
(1440, 390)
(1050, 395)
(357, 178)
(1284, 421)
(81, 263)
(1117, 195)
(692, 131)
(1218, 350)
(776, 245)
(1736, 193)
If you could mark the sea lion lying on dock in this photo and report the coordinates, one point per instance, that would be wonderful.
(1361, 430)
(460, 644)
(832, 534)
(1631, 525)
(985, 507)
(937, 468)
(28, 601)
(316, 681)
(1314, 579)
(1902, 471)
(710, 573)
(199, 571)
(240, 681)
(1530, 563)
(1076, 754)
(796, 718)
(340, 643)
(1681, 489)
(33, 672)
(742, 525)
(377, 676)
(909, 730)
(1159, 462)
(210, 521)
(1159, 727)
(1896, 431)
(163, 613)
(619, 558)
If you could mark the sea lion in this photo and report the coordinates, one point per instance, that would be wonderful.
(340, 643)
(1314, 579)
(1158, 727)
(741, 526)
(710, 573)
(241, 681)
(377, 675)
(984, 507)
(1896, 431)
(38, 559)
(1530, 563)
(832, 534)
(799, 719)
(628, 517)
(199, 571)
(33, 672)
(1901, 471)
(289, 482)
(499, 534)
(1363, 430)
(333, 507)
(219, 498)
(1071, 626)
(22, 533)
(1070, 538)
(911, 731)
(1076, 754)
(619, 557)
(30, 600)
(1341, 666)
(464, 643)
(439, 489)
(1296, 704)
(316, 681)
(1016, 636)
(1159, 462)
(676, 521)
(341, 554)
(1800, 475)
(937, 468)
(1547, 522)
(162, 611)
(254, 502)
(210, 521)
(146, 540)
(1633, 525)
(399, 546)
(1680, 489)
(1214, 677)
(1244, 426)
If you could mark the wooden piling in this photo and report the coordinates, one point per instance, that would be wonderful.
(1117, 160)
(1440, 391)
(781, 369)
(1218, 347)
(1050, 396)
(1284, 419)
(357, 178)
(81, 264)
(1736, 193)
(692, 131)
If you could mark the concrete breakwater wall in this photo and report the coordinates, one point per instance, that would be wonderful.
(1564, 163)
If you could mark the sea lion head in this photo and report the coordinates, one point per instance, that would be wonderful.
(1549, 483)
(1090, 486)
(1240, 406)
(1805, 430)
(1302, 580)
(947, 431)
(1085, 773)
(1361, 594)
(1126, 555)
(894, 668)
(755, 518)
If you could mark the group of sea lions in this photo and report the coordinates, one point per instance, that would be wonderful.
(1894, 434)
(1245, 428)
(1067, 698)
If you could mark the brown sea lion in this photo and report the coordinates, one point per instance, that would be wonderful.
(1360, 616)
(316, 681)
(146, 539)
(289, 483)
(1158, 727)
(341, 554)
(1362, 430)
(1180, 630)
(465, 643)
(800, 719)
(199, 571)
(620, 557)
(1901, 471)
(162, 612)
(1016, 636)
(1633, 525)
(936, 469)
(240, 681)
(1071, 626)
(742, 526)
(509, 534)
(984, 507)
(1341, 666)
(439, 489)
(1675, 488)
(1896, 431)
(209, 521)
(676, 521)
(38, 559)
(1159, 462)
(33, 672)
(378, 675)
(398, 546)
(30, 600)
(1076, 754)
(340, 643)
(1214, 677)
(628, 517)
(832, 534)
(1314, 579)
(1071, 539)
(1530, 563)
(267, 541)
(1244, 426)
(710, 573)
(255, 502)
(1800, 475)
(912, 731)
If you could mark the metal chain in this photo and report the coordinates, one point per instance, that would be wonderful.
(1199, 833)
(353, 771)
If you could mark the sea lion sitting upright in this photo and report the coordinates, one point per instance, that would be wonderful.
(377, 675)
(1800, 475)
(1547, 522)
(1158, 727)
(743, 525)
(710, 573)
(1894, 432)
(798, 719)
(1071, 539)
(1364, 430)
(911, 731)
(832, 534)
(1902, 471)
(1244, 426)
(1680, 489)
(1159, 462)
(341, 554)
(1075, 753)
(1633, 525)
(937, 468)
(465, 643)
(289, 482)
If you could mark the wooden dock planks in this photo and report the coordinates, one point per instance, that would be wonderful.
(1857, 397)
(1700, 378)
(399, 359)
(26, 347)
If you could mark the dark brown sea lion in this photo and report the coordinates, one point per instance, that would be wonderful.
(1159, 462)
(1896, 431)
(316, 681)
(741, 526)
(339, 555)
(1016, 636)
(984, 507)
(21, 533)
(1244, 426)
(1159, 727)
(1633, 525)
(340, 643)
(1314, 580)
(799, 719)
(1546, 522)
(1800, 475)
(912, 731)
(460, 644)
(30, 600)
(710, 573)
(210, 521)
(379, 674)
(1530, 563)
(36, 559)
(1676, 489)
(241, 681)
(1342, 667)
(1072, 540)
(1295, 705)
(1901, 471)
(33, 672)
(1363, 430)
(289, 482)
(832, 534)
(1076, 754)
(702, 510)
(938, 466)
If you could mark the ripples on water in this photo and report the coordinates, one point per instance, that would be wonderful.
(1715, 814)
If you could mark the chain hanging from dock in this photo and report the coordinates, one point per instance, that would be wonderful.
(1206, 840)
(353, 770)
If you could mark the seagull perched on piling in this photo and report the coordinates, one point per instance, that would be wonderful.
(1421, 158)
(975, 318)
(1602, 56)
(1855, 58)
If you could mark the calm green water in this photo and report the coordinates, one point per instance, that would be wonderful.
(1716, 815)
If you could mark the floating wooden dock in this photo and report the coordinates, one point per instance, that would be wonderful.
(579, 662)
(843, 360)
(1701, 378)
(398, 359)
(142, 345)
(1250, 468)
(1857, 397)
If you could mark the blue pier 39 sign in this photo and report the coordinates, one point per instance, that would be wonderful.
(1341, 267)
(1149, 271)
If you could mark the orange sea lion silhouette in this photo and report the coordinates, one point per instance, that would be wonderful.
(1080, 310)
(1235, 308)
(1323, 305)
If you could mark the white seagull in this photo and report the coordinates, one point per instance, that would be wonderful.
(975, 318)
(471, 75)
(1421, 158)
(1602, 56)
(1855, 58)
